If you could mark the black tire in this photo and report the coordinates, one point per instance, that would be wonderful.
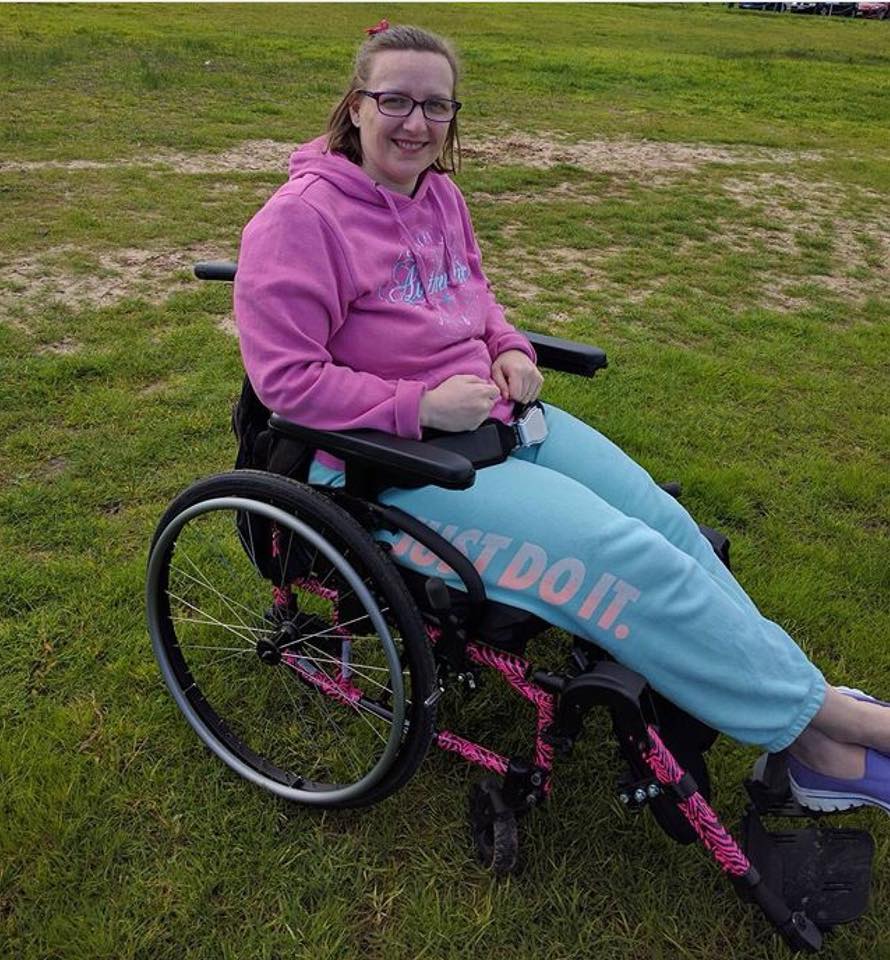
(495, 838)
(365, 735)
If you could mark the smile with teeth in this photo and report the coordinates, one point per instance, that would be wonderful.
(411, 145)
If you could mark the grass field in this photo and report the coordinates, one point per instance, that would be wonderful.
(701, 191)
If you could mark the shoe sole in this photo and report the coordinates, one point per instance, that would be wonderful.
(830, 801)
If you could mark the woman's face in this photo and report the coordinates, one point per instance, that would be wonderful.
(396, 150)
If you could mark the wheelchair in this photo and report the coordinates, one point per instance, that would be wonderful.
(312, 664)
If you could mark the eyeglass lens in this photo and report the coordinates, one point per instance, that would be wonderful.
(395, 105)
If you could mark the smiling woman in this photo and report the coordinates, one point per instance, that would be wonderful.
(399, 116)
(404, 122)
(361, 302)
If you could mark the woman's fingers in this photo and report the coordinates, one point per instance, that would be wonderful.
(527, 385)
(497, 374)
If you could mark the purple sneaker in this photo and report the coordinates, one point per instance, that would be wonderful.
(861, 695)
(816, 791)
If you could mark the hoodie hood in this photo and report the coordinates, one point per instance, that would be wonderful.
(313, 159)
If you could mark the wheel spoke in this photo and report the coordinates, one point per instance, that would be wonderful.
(228, 656)
(353, 668)
(198, 646)
(226, 600)
(290, 543)
(330, 630)
(326, 709)
(216, 622)
(219, 623)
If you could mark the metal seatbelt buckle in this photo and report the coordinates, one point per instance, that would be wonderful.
(531, 426)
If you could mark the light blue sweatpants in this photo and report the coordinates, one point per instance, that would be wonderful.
(576, 532)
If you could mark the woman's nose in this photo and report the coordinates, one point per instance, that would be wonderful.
(415, 121)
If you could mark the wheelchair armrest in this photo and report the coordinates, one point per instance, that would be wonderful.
(409, 459)
(216, 269)
(565, 355)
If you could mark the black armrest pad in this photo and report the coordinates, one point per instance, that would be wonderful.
(566, 355)
(412, 459)
(216, 270)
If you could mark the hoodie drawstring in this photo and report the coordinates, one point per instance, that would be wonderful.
(449, 259)
(415, 252)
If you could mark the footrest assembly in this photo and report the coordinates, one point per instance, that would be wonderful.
(823, 873)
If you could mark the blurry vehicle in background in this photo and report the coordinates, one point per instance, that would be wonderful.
(770, 7)
(874, 11)
(826, 9)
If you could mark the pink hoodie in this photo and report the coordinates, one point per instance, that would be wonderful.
(351, 300)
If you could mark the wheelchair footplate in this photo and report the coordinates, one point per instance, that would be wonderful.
(822, 872)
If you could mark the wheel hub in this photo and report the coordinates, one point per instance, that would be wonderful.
(269, 649)
(268, 652)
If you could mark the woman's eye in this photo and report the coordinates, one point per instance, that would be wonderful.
(394, 103)
(438, 108)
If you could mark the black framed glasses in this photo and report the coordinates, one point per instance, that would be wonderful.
(437, 109)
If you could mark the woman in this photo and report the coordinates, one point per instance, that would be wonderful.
(361, 302)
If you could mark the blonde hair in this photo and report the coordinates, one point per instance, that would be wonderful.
(343, 136)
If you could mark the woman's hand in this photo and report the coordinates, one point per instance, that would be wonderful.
(516, 376)
(461, 402)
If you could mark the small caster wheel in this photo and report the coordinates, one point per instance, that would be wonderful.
(495, 835)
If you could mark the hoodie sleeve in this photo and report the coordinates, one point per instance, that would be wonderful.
(292, 290)
(499, 335)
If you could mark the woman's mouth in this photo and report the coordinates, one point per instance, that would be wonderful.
(412, 146)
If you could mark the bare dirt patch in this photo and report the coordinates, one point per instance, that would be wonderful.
(227, 325)
(54, 467)
(562, 191)
(249, 156)
(636, 158)
(785, 209)
(48, 277)
(63, 347)
(153, 389)
(797, 209)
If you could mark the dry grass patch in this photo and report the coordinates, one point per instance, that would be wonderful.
(63, 347)
(54, 467)
(251, 156)
(640, 159)
(227, 325)
(859, 249)
(562, 191)
(158, 387)
(789, 206)
(51, 276)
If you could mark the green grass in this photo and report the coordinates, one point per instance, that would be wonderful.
(743, 301)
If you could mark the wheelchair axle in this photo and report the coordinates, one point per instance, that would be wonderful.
(269, 649)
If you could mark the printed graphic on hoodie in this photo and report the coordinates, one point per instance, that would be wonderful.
(408, 285)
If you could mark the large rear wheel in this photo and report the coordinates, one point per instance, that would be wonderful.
(289, 641)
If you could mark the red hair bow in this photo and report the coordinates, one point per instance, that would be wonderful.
(377, 28)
